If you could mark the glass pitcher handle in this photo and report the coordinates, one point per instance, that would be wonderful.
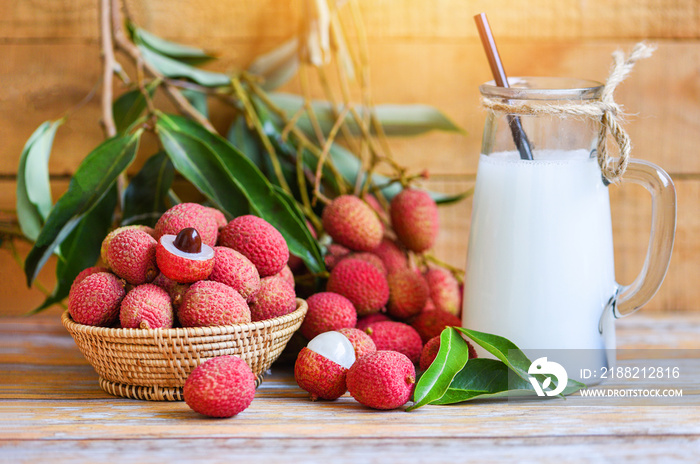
(631, 297)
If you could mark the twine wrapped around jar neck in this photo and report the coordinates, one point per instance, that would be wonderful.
(604, 109)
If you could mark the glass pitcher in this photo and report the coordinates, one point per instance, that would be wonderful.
(540, 268)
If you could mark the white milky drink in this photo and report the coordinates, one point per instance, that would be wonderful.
(540, 267)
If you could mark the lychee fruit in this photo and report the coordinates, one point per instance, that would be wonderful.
(236, 271)
(175, 290)
(444, 289)
(275, 298)
(287, 275)
(431, 349)
(371, 258)
(352, 223)
(218, 216)
(208, 303)
(87, 272)
(396, 336)
(258, 241)
(327, 311)
(131, 254)
(220, 387)
(393, 257)
(334, 255)
(414, 218)
(362, 342)
(408, 293)
(365, 321)
(95, 299)
(321, 366)
(184, 258)
(105, 242)
(382, 380)
(186, 215)
(361, 283)
(431, 323)
(146, 307)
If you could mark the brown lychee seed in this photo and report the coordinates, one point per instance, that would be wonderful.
(188, 240)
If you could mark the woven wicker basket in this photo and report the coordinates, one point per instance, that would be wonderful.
(153, 364)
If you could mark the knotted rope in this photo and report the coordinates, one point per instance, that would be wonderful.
(604, 109)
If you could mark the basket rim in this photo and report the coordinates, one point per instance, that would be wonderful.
(120, 332)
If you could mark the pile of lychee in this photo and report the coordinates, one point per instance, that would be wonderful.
(384, 306)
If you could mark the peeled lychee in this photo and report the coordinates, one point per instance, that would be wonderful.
(393, 257)
(220, 387)
(365, 321)
(95, 299)
(382, 380)
(236, 271)
(431, 349)
(258, 241)
(431, 323)
(396, 336)
(187, 215)
(408, 293)
(321, 366)
(327, 311)
(146, 307)
(361, 283)
(131, 254)
(444, 290)
(208, 303)
(275, 298)
(362, 342)
(414, 218)
(184, 257)
(352, 223)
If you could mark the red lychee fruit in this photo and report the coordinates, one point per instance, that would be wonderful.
(408, 293)
(444, 289)
(396, 336)
(236, 271)
(87, 272)
(208, 303)
(371, 258)
(414, 218)
(95, 300)
(131, 254)
(186, 215)
(365, 321)
(327, 311)
(220, 387)
(382, 380)
(393, 257)
(257, 240)
(352, 223)
(431, 323)
(361, 283)
(146, 307)
(275, 298)
(321, 366)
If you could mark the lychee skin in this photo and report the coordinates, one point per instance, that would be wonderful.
(236, 271)
(176, 290)
(287, 275)
(431, 323)
(414, 218)
(275, 298)
(382, 380)
(131, 255)
(444, 290)
(396, 336)
(180, 268)
(257, 240)
(408, 292)
(95, 300)
(365, 321)
(146, 307)
(218, 216)
(361, 283)
(208, 303)
(220, 387)
(371, 258)
(186, 215)
(319, 376)
(392, 256)
(105, 242)
(352, 223)
(327, 311)
(362, 342)
(335, 254)
(87, 272)
(431, 349)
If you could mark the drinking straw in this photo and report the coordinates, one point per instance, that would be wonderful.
(499, 76)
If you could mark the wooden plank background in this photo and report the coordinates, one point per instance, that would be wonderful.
(420, 52)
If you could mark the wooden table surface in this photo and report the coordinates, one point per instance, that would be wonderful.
(52, 409)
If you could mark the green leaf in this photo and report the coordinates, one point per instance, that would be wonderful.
(236, 176)
(277, 66)
(180, 52)
(130, 105)
(396, 120)
(146, 197)
(503, 349)
(198, 100)
(451, 358)
(93, 178)
(33, 188)
(173, 68)
(246, 141)
(81, 248)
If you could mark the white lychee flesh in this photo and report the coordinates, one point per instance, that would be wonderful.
(205, 254)
(335, 347)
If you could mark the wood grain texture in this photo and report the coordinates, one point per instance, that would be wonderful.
(51, 405)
